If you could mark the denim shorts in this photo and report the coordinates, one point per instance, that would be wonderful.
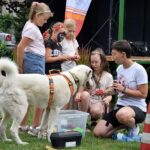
(33, 63)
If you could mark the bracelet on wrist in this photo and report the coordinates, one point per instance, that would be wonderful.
(124, 90)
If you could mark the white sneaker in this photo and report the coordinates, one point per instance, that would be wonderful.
(134, 131)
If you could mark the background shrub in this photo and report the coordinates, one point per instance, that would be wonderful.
(5, 52)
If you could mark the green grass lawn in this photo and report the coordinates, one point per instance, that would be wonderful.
(88, 143)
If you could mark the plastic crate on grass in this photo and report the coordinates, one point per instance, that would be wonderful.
(71, 120)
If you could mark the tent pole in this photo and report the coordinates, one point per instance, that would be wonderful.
(110, 26)
(121, 20)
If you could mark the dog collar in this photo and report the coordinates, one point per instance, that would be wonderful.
(76, 79)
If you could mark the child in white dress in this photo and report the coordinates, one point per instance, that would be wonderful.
(70, 45)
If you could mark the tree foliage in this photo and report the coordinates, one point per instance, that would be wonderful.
(13, 6)
(20, 20)
(5, 52)
(16, 18)
(6, 22)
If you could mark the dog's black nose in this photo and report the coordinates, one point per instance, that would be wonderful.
(3, 73)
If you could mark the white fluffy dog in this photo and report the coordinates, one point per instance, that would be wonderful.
(19, 90)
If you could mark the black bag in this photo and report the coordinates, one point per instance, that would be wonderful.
(140, 48)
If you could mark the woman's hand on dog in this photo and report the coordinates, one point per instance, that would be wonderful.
(78, 97)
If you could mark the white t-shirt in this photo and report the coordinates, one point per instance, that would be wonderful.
(105, 81)
(31, 31)
(132, 77)
(69, 47)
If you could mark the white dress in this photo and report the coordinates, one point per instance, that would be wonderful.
(69, 47)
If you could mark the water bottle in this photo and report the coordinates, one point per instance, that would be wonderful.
(125, 138)
(119, 137)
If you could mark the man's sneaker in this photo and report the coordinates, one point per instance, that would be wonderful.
(134, 131)
(33, 131)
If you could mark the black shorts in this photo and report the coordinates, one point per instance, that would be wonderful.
(111, 116)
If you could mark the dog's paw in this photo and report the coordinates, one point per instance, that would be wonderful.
(8, 140)
(23, 143)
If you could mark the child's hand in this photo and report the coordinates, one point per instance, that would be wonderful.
(106, 101)
(77, 97)
(76, 57)
(46, 35)
(65, 57)
(73, 57)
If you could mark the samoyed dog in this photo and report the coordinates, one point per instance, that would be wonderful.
(17, 91)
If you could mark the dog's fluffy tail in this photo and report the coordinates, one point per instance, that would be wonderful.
(7, 67)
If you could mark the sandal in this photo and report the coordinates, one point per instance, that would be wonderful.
(33, 131)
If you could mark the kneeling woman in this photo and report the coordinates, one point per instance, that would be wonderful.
(87, 100)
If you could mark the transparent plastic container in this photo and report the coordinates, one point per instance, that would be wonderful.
(71, 120)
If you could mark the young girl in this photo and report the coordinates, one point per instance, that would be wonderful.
(88, 101)
(70, 45)
(31, 49)
(54, 56)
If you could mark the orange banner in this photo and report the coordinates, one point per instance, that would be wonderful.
(77, 9)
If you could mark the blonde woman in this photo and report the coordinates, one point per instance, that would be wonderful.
(31, 49)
